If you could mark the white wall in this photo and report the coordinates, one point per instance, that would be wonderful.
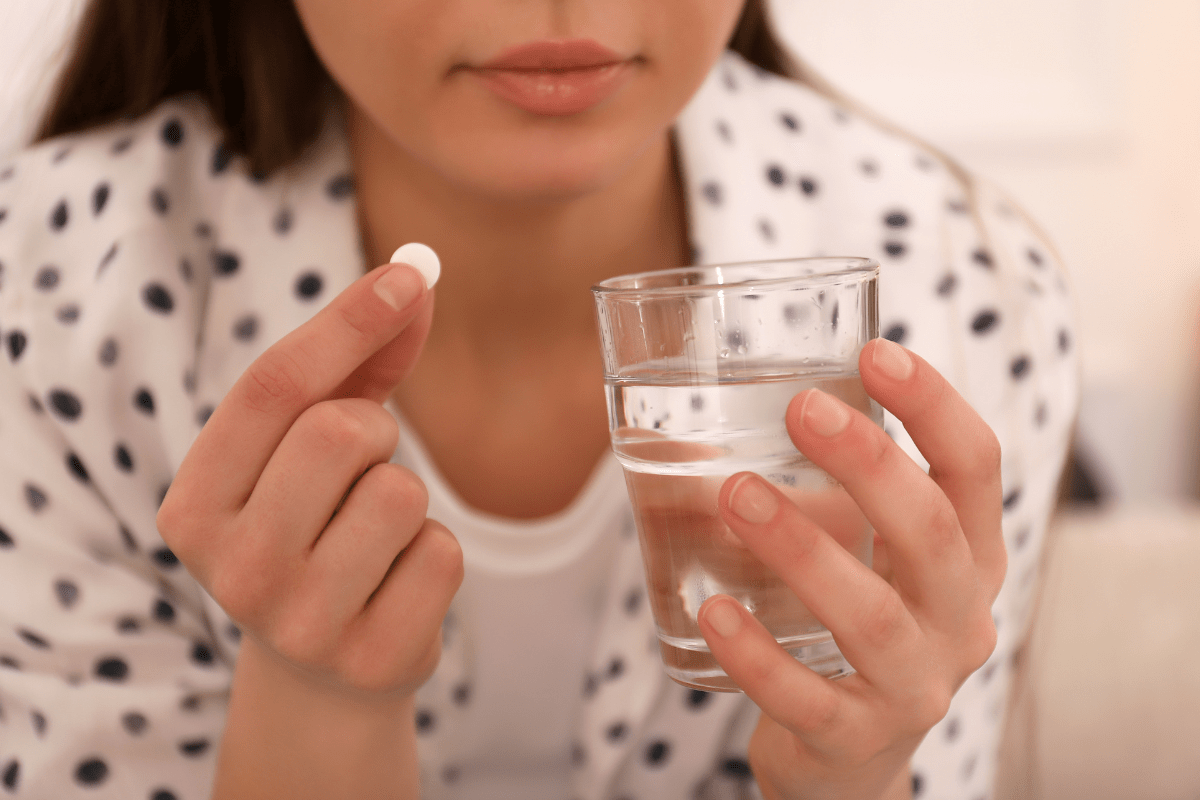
(1089, 112)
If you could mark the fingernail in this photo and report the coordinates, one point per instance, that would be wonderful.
(724, 617)
(422, 258)
(400, 287)
(823, 415)
(892, 360)
(753, 501)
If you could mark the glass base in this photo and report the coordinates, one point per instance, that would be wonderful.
(694, 666)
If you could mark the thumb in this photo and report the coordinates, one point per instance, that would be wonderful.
(376, 377)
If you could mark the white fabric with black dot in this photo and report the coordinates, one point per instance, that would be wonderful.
(142, 269)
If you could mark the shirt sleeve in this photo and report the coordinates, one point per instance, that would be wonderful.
(114, 672)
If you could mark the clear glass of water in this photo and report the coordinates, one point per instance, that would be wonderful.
(700, 364)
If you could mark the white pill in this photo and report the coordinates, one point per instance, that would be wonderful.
(423, 258)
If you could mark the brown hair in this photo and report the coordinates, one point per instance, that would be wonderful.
(251, 62)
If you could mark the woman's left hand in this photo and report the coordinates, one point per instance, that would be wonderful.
(914, 640)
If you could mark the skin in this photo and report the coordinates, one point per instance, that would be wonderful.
(287, 511)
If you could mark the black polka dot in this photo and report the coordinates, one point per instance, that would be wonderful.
(203, 413)
(590, 685)
(190, 703)
(127, 537)
(616, 668)
(100, 198)
(1064, 340)
(462, 694)
(633, 601)
(616, 732)
(163, 794)
(1035, 257)
(451, 773)
(283, 221)
(578, 754)
(869, 168)
(789, 121)
(121, 145)
(245, 329)
(59, 216)
(712, 193)
(766, 229)
(952, 727)
(185, 270)
(983, 258)
(33, 639)
(947, 285)
(657, 753)
(165, 558)
(159, 201)
(309, 285)
(157, 298)
(194, 748)
(7, 173)
(1012, 498)
(35, 498)
(729, 81)
(6, 541)
(112, 668)
(202, 655)
(894, 249)
(107, 259)
(172, 133)
(809, 186)
(896, 333)
(35, 405)
(164, 611)
(143, 401)
(65, 404)
(3, 214)
(233, 633)
(8, 662)
(189, 382)
(896, 219)
(424, 721)
(1020, 367)
(957, 206)
(123, 458)
(39, 722)
(697, 699)
(225, 263)
(340, 187)
(737, 768)
(92, 772)
(46, 279)
(16, 341)
(724, 131)
(128, 625)
(11, 777)
(67, 592)
(135, 723)
(220, 159)
(918, 783)
(108, 352)
(67, 314)
(1022, 537)
(775, 175)
(985, 321)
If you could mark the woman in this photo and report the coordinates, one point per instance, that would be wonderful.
(184, 305)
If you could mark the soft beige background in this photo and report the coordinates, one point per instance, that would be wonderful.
(1089, 112)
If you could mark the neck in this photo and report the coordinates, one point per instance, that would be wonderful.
(517, 264)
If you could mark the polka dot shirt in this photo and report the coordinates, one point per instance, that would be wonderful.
(143, 268)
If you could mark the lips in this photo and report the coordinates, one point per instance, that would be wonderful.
(555, 77)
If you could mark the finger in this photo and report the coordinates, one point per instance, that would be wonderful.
(962, 451)
(868, 620)
(329, 446)
(404, 617)
(381, 515)
(816, 710)
(304, 367)
(930, 558)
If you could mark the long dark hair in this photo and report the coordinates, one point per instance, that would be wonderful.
(250, 61)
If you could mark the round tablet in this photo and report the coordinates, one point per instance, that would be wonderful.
(423, 258)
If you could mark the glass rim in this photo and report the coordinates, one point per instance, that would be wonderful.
(856, 265)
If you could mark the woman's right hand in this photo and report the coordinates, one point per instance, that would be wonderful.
(287, 510)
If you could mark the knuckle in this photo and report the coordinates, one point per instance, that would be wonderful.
(445, 553)
(933, 705)
(942, 531)
(877, 451)
(336, 426)
(403, 489)
(275, 380)
(820, 713)
(358, 322)
(300, 638)
(881, 618)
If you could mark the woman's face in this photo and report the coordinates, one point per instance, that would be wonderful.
(520, 98)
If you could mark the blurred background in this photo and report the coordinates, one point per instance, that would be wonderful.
(1088, 112)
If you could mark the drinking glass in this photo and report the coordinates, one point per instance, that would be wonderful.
(700, 364)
